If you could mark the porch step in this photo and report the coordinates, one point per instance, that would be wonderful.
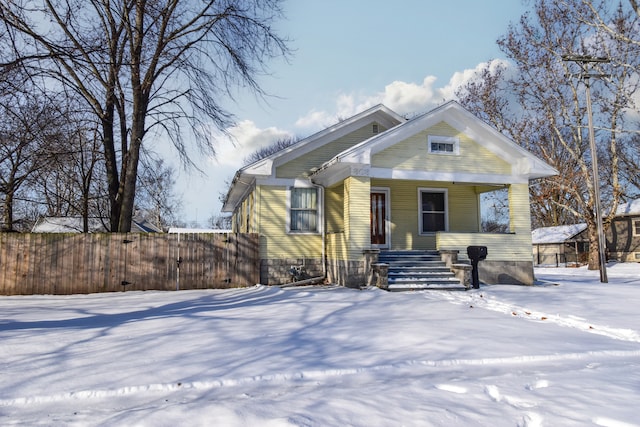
(418, 270)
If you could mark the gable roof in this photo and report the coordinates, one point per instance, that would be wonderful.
(524, 163)
(557, 234)
(245, 176)
(628, 209)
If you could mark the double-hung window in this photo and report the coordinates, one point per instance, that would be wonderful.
(433, 210)
(303, 210)
(636, 227)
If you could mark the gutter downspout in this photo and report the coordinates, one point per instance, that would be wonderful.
(324, 231)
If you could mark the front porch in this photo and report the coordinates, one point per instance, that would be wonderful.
(409, 215)
(507, 261)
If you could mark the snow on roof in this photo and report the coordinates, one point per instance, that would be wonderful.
(73, 224)
(557, 234)
(631, 208)
(68, 225)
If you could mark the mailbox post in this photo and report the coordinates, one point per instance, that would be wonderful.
(476, 254)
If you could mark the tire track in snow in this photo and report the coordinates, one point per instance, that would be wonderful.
(479, 300)
(311, 375)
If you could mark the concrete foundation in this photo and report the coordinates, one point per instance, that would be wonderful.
(278, 271)
(506, 272)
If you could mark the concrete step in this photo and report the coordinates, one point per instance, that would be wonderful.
(418, 270)
(402, 287)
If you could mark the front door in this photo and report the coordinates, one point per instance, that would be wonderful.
(379, 218)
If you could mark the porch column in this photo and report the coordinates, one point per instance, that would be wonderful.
(520, 210)
(357, 226)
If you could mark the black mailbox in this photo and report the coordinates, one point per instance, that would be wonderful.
(476, 254)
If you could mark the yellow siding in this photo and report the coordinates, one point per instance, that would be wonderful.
(413, 154)
(463, 211)
(297, 167)
(275, 242)
(519, 209)
(500, 246)
(334, 209)
(246, 214)
(514, 246)
(334, 220)
(357, 222)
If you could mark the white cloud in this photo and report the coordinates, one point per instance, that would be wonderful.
(402, 97)
(245, 138)
(461, 78)
(315, 119)
(406, 97)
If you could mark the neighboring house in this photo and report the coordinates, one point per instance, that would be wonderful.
(560, 244)
(376, 181)
(96, 225)
(623, 236)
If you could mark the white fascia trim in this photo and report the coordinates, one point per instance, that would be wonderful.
(285, 182)
(335, 174)
(458, 177)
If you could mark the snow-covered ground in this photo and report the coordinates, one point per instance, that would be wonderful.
(563, 354)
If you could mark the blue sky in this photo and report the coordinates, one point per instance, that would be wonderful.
(349, 55)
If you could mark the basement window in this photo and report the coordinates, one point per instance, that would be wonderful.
(443, 145)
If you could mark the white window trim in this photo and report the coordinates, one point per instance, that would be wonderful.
(633, 227)
(319, 210)
(445, 140)
(446, 209)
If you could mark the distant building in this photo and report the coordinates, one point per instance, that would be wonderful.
(561, 244)
(623, 236)
(570, 243)
(96, 225)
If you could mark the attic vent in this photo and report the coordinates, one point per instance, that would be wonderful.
(443, 145)
(375, 128)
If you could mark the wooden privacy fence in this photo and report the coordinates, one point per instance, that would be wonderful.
(70, 263)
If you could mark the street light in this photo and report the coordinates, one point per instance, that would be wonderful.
(583, 61)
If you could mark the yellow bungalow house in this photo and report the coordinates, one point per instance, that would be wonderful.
(375, 183)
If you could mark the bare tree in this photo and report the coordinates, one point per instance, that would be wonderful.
(219, 222)
(140, 64)
(156, 197)
(542, 108)
(274, 147)
(70, 185)
(28, 124)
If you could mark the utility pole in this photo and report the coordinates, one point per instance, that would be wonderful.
(585, 61)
